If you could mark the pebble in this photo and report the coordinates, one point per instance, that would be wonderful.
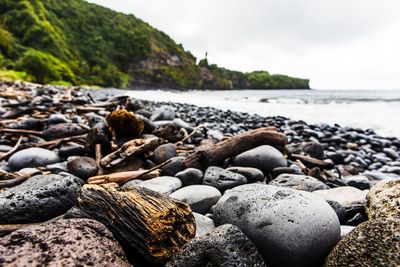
(190, 176)
(32, 157)
(222, 179)
(225, 246)
(175, 166)
(132, 183)
(373, 243)
(57, 118)
(71, 149)
(163, 184)
(200, 197)
(272, 218)
(383, 200)
(72, 242)
(61, 130)
(166, 113)
(204, 224)
(358, 181)
(83, 167)
(252, 175)
(39, 198)
(164, 153)
(264, 158)
(299, 182)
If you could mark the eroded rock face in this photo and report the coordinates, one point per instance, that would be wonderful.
(74, 242)
(38, 199)
(224, 247)
(143, 221)
(383, 200)
(289, 227)
(373, 243)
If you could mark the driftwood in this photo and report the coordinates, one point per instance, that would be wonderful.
(311, 162)
(123, 177)
(130, 149)
(21, 131)
(143, 221)
(216, 154)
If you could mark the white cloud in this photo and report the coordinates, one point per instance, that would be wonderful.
(336, 43)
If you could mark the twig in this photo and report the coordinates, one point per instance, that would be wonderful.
(61, 140)
(154, 168)
(21, 131)
(98, 158)
(11, 151)
(192, 133)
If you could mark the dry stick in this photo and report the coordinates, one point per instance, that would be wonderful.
(98, 158)
(154, 168)
(21, 131)
(11, 151)
(59, 141)
(191, 134)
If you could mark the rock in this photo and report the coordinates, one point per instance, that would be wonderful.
(299, 182)
(164, 113)
(61, 130)
(264, 158)
(38, 199)
(351, 199)
(32, 157)
(383, 200)
(57, 167)
(358, 181)
(346, 229)
(163, 184)
(72, 242)
(190, 176)
(222, 179)
(71, 149)
(175, 166)
(164, 153)
(5, 148)
(132, 183)
(315, 150)
(373, 243)
(289, 227)
(57, 118)
(200, 197)
(252, 175)
(288, 170)
(224, 247)
(143, 221)
(83, 167)
(204, 224)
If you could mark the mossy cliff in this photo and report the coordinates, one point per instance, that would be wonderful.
(75, 42)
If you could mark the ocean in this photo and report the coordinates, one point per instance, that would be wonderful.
(374, 109)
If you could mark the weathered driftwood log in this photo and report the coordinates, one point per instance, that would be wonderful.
(123, 177)
(142, 220)
(216, 154)
(130, 149)
(311, 162)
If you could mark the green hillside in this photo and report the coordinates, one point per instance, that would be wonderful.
(75, 42)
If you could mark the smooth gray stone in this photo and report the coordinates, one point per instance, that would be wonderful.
(32, 157)
(61, 130)
(347, 196)
(166, 113)
(83, 167)
(71, 149)
(57, 118)
(163, 184)
(252, 175)
(264, 158)
(39, 198)
(204, 224)
(190, 176)
(200, 197)
(57, 167)
(164, 153)
(345, 229)
(289, 227)
(222, 179)
(132, 183)
(358, 181)
(5, 148)
(226, 246)
(175, 166)
(299, 182)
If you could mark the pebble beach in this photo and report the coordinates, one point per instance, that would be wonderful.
(88, 177)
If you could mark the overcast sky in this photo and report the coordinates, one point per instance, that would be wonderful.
(338, 44)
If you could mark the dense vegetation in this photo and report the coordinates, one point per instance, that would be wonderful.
(75, 42)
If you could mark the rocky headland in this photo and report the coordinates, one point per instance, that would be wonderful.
(92, 178)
